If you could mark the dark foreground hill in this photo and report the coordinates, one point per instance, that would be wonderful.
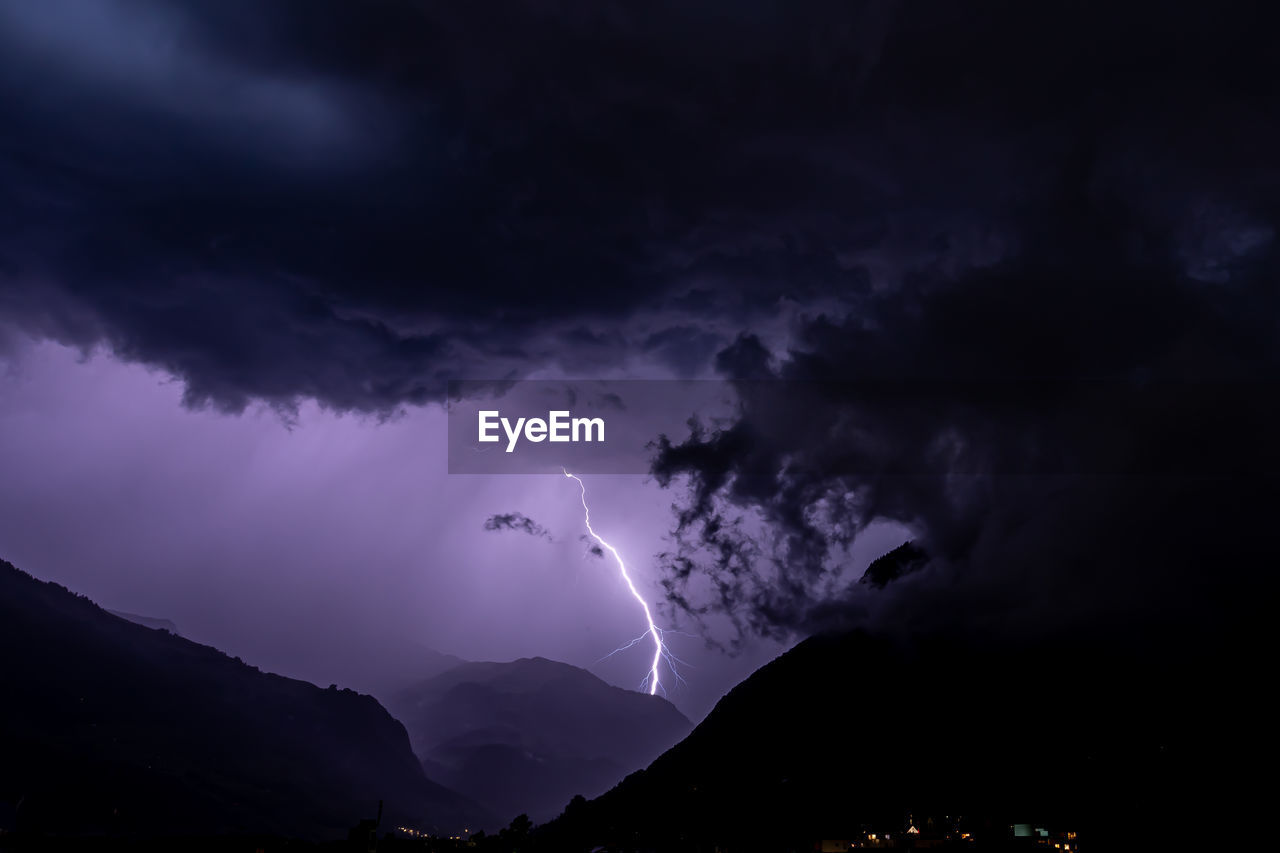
(111, 727)
(526, 736)
(851, 734)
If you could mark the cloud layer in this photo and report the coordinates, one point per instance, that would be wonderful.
(353, 202)
(518, 522)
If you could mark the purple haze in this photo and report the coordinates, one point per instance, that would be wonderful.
(304, 548)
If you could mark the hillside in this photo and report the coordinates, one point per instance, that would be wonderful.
(526, 736)
(109, 726)
(851, 733)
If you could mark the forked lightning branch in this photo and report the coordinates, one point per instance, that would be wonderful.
(558, 426)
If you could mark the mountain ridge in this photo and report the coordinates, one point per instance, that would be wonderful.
(154, 622)
(524, 736)
(125, 729)
(853, 732)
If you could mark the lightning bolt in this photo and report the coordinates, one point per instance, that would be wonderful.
(654, 632)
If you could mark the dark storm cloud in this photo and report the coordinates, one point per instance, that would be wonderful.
(351, 201)
(1071, 295)
(1080, 433)
(685, 349)
(518, 522)
(348, 201)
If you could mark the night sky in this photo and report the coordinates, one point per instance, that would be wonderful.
(244, 245)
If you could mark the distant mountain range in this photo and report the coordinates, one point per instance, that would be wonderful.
(115, 724)
(148, 621)
(111, 727)
(381, 667)
(526, 736)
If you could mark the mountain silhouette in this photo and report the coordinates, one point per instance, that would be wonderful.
(526, 736)
(887, 568)
(852, 733)
(380, 666)
(148, 621)
(112, 727)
